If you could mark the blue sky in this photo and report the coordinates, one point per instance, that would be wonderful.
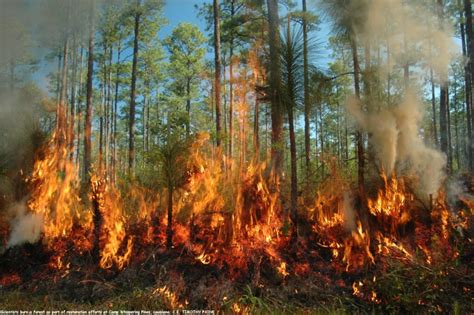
(177, 11)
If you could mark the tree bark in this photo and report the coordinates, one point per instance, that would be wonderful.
(443, 102)
(62, 109)
(131, 123)
(231, 85)
(275, 88)
(217, 72)
(89, 91)
(79, 112)
(169, 228)
(256, 128)
(456, 126)
(307, 105)
(114, 132)
(290, 85)
(359, 137)
(467, 92)
(470, 68)
(72, 117)
(433, 108)
(188, 106)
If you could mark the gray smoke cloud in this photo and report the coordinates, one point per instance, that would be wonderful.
(397, 143)
(26, 226)
(401, 33)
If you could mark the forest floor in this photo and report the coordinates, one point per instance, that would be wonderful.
(175, 280)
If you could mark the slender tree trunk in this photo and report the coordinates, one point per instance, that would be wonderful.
(231, 102)
(231, 85)
(443, 119)
(169, 228)
(275, 88)
(450, 139)
(307, 105)
(456, 126)
(322, 147)
(144, 121)
(217, 72)
(433, 108)
(443, 101)
(108, 113)
(470, 54)
(62, 105)
(72, 117)
(79, 113)
(188, 106)
(224, 100)
(146, 113)
(131, 124)
(58, 81)
(97, 216)
(89, 91)
(256, 128)
(290, 82)
(102, 111)
(114, 132)
(359, 137)
(467, 94)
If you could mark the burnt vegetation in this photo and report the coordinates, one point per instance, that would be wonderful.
(286, 172)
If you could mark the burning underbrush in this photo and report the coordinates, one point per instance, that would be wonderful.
(232, 245)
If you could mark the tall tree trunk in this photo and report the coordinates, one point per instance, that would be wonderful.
(102, 111)
(470, 54)
(72, 116)
(456, 126)
(97, 216)
(217, 72)
(114, 132)
(62, 109)
(144, 120)
(224, 96)
(188, 106)
(108, 113)
(256, 128)
(359, 137)
(275, 88)
(467, 93)
(89, 91)
(450, 139)
(131, 123)
(443, 120)
(433, 109)
(58, 81)
(307, 105)
(443, 100)
(169, 228)
(290, 85)
(147, 124)
(79, 112)
(231, 84)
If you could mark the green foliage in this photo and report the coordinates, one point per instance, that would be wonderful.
(186, 48)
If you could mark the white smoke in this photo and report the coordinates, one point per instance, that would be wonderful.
(401, 33)
(349, 212)
(397, 143)
(26, 227)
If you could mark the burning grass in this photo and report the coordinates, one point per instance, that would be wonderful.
(232, 248)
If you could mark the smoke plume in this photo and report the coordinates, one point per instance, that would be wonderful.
(402, 36)
(26, 227)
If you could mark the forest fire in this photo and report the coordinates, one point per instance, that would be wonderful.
(149, 177)
(217, 237)
(235, 224)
